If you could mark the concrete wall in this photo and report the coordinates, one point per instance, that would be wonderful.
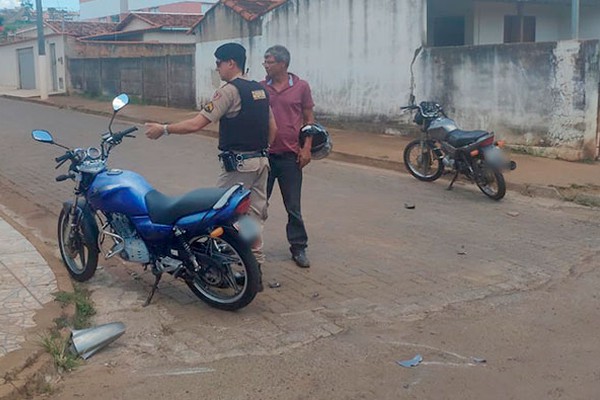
(540, 95)
(9, 73)
(161, 74)
(355, 54)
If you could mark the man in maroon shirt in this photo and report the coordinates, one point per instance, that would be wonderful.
(292, 105)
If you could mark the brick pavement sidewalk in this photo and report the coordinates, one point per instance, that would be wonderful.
(26, 285)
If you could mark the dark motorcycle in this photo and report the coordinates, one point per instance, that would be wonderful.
(202, 237)
(443, 145)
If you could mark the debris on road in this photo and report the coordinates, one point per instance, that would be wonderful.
(274, 284)
(409, 206)
(462, 251)
(86, 342)
(513, 213)
(479, 360)
(416, 360)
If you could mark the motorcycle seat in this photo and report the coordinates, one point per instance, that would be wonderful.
(458, 138)
(167, 210)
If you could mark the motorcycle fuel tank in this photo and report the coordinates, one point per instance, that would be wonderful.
(119, 191)
(439, 128)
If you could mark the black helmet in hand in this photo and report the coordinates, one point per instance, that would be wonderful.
(321, 142)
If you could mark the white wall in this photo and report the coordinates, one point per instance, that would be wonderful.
(9, 74)
(539, 95)
(355, 54)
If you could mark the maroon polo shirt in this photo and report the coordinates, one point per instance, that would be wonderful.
(287, 106)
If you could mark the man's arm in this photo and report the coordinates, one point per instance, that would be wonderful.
(272, 127)
(304, 155)
(154, 131)
(309, 116)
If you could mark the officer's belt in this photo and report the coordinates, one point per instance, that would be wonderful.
(245, 156)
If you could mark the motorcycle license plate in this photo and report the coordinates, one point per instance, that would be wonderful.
(248, 228)
(495, 156)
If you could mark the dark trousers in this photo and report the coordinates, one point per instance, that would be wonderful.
(288, 174)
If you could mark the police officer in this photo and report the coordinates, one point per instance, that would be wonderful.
(246, 129)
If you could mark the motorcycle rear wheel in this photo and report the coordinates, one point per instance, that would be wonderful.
(232, 275)
(490, 181)
(79, 257)
(422, 162)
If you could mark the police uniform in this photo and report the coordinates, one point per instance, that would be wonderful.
(242, 108)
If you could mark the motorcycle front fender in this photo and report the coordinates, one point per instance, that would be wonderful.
(88, 223)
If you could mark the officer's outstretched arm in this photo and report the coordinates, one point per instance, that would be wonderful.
(189, 125)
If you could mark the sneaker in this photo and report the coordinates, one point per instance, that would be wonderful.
(300, 259)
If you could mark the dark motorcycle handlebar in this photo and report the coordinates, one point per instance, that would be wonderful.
(64, 157)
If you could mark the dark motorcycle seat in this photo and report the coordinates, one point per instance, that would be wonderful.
(458, 138)
(167, 210)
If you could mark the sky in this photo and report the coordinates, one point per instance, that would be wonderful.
(72, 5)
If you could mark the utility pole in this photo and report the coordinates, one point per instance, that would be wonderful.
(42, 70)
(574, 19)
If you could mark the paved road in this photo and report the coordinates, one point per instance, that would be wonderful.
(374, 261)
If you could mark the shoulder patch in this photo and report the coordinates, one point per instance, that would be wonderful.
(209, 107)
(259, 94)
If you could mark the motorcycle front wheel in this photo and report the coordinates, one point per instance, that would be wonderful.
(230, 275)
(79, 257)
(490, 181)
(422, 162)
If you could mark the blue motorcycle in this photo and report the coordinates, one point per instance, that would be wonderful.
(203, 237)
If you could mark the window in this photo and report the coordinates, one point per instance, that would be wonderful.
(449, 31)
(519, 29)
(115, 18)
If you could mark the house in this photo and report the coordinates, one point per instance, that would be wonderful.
(478, 22)
(152, 28)
(20, 61)
(518, 67)
(115, 10)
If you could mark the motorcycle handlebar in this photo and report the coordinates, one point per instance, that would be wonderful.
(129, 130)
(64, 157)
(117, 137)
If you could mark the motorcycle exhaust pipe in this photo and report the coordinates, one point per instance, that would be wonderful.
(86, 342)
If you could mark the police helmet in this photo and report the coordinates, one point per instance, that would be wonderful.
(321, 142)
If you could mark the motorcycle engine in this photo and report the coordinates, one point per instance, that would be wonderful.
(128, 243)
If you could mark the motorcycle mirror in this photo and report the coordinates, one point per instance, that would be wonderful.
(42, 136)
(411, 100)
(120, 101)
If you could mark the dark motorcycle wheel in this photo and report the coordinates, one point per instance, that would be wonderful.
(80, 259)
(422, 163)
(232, 275)
(490, 181)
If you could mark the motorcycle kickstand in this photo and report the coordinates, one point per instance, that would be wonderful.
(452, 181)
(153, 290)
